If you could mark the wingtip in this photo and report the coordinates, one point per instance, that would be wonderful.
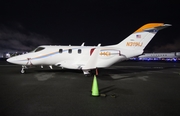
(167, 25)
(151, 25)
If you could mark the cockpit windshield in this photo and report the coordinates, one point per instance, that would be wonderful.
(38, 49)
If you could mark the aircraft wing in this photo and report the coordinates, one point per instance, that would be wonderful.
(91, 63)
(78, 64)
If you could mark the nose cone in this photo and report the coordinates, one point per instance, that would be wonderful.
(10, 60)
(13, 60)
(20, 60)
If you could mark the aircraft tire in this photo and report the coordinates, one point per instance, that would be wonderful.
(22, 71)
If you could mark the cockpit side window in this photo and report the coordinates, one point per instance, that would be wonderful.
(39, 49)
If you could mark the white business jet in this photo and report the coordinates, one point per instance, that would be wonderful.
(87, 58)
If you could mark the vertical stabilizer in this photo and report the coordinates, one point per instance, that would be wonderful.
(141, 37)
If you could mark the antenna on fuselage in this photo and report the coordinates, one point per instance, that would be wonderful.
(83, 44)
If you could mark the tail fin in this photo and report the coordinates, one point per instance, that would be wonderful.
(141, 37)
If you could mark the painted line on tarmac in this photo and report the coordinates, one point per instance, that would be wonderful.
(8, 65)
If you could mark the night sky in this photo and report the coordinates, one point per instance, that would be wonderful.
(24, 25)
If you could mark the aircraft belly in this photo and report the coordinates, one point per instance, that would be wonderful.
(68, 64)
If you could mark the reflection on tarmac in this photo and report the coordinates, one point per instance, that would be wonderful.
(140, 88)
(44, 76)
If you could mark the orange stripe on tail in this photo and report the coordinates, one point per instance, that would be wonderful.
(149, 26)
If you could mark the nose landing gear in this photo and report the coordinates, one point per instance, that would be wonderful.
(23, 69)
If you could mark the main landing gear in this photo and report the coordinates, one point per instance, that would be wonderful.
(89, 73)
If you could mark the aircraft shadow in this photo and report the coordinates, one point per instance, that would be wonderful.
(106, 74)
(113, 91)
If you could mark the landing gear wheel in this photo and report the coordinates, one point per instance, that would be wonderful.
(22, 71)
(87, 73)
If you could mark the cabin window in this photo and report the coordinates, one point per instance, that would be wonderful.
(70, 51)
(60, 50)
(79, 51)
(39, 49)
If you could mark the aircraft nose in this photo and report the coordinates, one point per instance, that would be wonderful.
(9, 60)
(12, 60)
(17, 60)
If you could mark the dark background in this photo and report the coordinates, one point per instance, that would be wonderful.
(25, 25)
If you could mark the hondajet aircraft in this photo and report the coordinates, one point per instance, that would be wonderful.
(87, 58)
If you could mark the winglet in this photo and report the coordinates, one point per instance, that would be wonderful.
(91, 64)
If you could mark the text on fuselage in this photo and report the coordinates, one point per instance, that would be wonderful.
(134, 44)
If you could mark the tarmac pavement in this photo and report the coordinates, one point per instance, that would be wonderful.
(126, 88)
